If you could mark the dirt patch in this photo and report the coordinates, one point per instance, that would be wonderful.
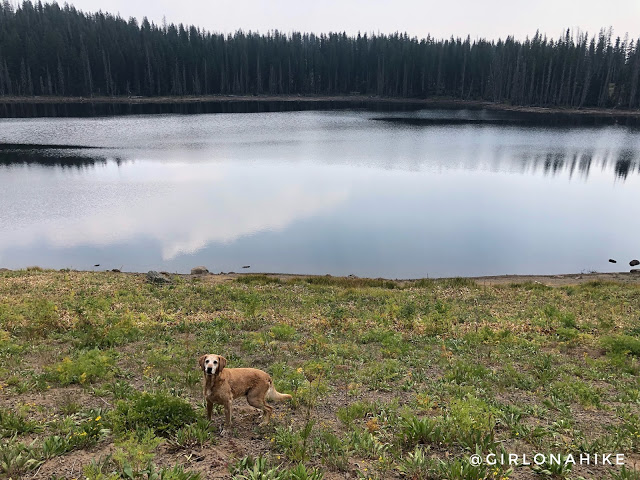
(70, 465)
(50, 400)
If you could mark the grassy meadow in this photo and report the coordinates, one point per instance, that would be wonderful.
(99, 377)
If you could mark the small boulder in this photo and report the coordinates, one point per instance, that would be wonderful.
(199, 270)
(635, 270)
(156, 277)
(633, 263)
(115, 270)
(611, 260)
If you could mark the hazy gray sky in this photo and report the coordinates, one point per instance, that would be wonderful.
(441, 18)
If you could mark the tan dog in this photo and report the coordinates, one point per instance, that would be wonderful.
(222, 385)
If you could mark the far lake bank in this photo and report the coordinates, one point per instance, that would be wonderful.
(53, 106)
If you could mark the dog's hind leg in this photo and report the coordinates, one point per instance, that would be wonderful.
(257, 400)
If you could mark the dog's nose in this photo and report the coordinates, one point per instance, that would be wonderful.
(209, 369)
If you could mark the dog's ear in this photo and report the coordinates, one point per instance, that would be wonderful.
(222, 362)
(201, 361)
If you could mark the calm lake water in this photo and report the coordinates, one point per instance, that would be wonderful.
(411, 194)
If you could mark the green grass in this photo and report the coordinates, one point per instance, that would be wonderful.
(389, 379)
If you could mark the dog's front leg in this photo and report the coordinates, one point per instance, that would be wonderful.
(209, 409)
(227, 413)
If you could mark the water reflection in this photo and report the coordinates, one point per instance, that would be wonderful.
(621, 163)
(44, 156)
(626, 163)
(183, 209)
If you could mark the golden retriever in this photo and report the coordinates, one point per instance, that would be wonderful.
(222, 385)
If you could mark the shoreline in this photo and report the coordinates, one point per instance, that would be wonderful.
(308, 102)
(556, 280)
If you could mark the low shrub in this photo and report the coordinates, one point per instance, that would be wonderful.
(283, 332)
(160, 412)
(35, 318)
(622, 344)
(88, 367)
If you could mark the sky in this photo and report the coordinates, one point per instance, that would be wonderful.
(489, 19)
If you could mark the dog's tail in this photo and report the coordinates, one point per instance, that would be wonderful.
(273, 394)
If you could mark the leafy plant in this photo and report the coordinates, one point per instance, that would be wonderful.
(459, 469)
(12, 423)
(196, 434)
(625, 474)
(416, 465)
(135, 452)
(249, 468)
(293, 443)
(301, 472)
(417, 431)
(17, 458)
(552, 468)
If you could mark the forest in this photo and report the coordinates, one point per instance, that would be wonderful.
(46, 49)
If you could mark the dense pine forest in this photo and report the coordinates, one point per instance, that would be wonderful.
(46, 49)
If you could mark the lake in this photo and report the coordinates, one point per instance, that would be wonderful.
(428, 193)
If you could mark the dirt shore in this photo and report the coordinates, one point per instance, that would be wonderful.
(558, 280)
(548, 280)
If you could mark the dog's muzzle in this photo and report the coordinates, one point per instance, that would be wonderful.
(208, 371)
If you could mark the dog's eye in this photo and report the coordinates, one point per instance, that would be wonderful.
(207, 361)
(215, 361)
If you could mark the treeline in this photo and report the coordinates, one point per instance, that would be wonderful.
(49, 50)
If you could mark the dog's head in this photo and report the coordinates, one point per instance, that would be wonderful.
(212, 364)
